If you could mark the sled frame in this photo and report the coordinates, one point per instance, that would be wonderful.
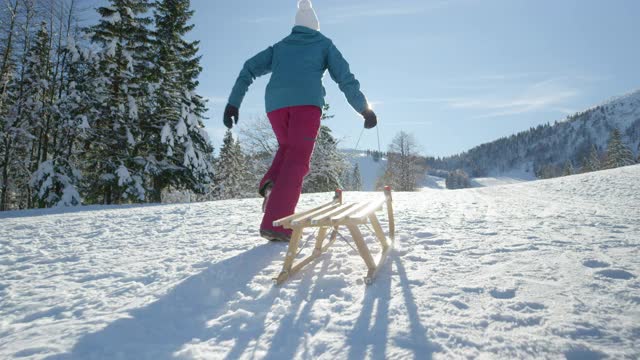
(328, 219)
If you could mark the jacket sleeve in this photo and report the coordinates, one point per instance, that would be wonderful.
(255, 67)
(339, 70)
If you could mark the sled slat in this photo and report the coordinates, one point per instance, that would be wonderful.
(325, 219)
(286, 221)
(302, 219)
(342, 216)
(371, 208)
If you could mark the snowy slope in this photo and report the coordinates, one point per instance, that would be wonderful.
(545, 269)
(369, 168)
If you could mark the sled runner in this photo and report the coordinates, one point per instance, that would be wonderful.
(328, 219)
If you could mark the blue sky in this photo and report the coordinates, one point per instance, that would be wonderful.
(454, 73)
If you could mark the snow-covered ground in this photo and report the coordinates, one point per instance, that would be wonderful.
(496, 181)
(545, 269)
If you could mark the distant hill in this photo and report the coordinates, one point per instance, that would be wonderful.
(567, 140)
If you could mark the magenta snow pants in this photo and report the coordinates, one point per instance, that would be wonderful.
(296, 129)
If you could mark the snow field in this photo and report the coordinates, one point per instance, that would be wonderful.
(545, 269)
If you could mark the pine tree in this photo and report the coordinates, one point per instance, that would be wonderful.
(115, 137)
(11, 130)
(180, 152)
(75, 107)
(356, 179)
(327, 164)
(592, 162)
(568, 169)
(55, 184)
(618, 154)
(230, 170)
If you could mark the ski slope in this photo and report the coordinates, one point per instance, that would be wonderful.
(545, 269)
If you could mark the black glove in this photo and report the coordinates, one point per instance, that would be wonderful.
(231, 114)
(370, 119)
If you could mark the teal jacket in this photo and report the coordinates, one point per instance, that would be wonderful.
(297, 64)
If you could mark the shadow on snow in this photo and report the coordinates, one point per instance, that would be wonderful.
(161, 329)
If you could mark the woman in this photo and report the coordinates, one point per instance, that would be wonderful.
(294, 100)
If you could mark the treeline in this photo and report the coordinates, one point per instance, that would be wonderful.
(545, 148)
(617, 154)
(99, 114)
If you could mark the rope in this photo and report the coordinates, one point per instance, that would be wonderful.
(359, 138)
(347, 241)
(307, 241)
(368, 228)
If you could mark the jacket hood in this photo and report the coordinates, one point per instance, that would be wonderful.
(301, 35)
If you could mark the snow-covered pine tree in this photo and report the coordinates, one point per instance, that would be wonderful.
(14, 129)
(8, 127)
(115, 137)
(618, 154)
(568, 168)
(230, 170)
(55, 184)
(327, 162)
(53, 179)
(59, 178)
(180, 154)
(592, 162)
(34, 106)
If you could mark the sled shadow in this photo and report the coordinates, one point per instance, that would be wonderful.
(416, 340)
(297, 325)
(160, 329)
(366, 334)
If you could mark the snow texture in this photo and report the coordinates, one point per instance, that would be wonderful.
(545, 269)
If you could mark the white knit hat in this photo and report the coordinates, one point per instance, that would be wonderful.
(306, 16)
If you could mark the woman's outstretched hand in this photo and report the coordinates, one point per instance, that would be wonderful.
(370, 119)
(231, 114)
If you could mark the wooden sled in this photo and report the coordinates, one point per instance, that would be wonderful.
(328, 219)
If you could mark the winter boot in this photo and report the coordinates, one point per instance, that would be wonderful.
(274, 235)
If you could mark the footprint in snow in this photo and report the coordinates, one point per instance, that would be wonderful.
(583, 354)
(424, 235)
(595, 264)
(460, 305)
(503, 294)
(435, 242)
(527, 307)
(616, 274)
